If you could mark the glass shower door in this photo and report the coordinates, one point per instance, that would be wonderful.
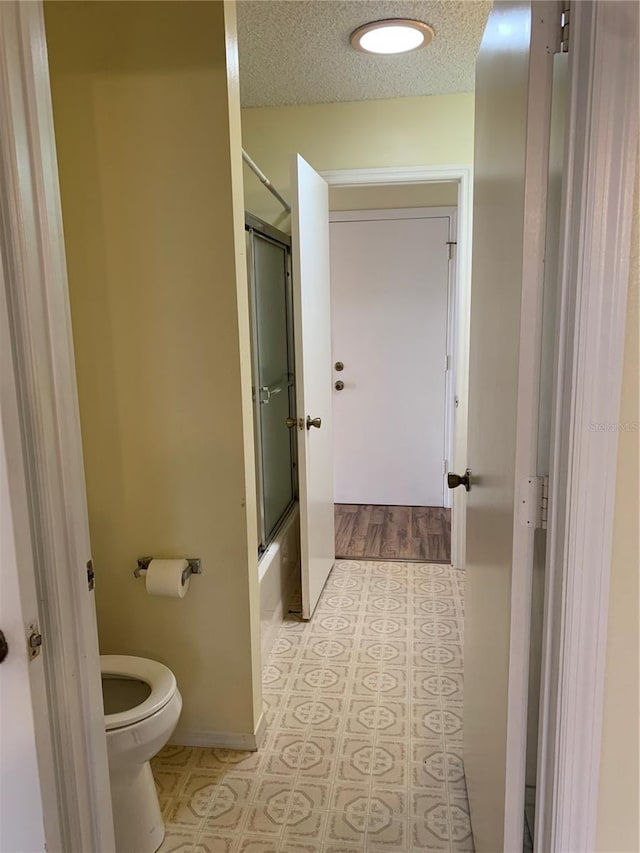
(273, 381)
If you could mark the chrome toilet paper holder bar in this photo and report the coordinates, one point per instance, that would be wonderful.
(193, 567)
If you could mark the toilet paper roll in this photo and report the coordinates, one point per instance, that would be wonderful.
(164, 577)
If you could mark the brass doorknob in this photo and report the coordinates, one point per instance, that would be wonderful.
(291, 423)
(455, 480)
(339, 386)
(313, 422)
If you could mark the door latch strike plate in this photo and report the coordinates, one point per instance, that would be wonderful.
(34, 640)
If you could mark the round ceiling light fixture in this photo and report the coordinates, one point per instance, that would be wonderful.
(392, 35)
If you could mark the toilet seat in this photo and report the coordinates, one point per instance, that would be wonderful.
(159, 678)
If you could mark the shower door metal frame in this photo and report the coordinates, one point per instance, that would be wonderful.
(254, 225)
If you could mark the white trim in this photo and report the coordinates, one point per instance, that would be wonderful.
(463, 176)
(33, 249)
(243, 741)
(452, 359)
(391, 213)
(540, 90)
(398, 175)
(463, 320)
(601, 161)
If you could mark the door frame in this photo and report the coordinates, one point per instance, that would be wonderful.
(462, 175)
(450, 213)
(600, 164)
(602, 156)
(47, 449)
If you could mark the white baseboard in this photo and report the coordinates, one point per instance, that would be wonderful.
(242, 741)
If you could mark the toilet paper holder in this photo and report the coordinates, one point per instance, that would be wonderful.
(193, 567)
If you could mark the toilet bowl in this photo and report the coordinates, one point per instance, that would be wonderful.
(142, 704)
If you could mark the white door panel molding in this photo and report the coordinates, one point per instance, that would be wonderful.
(602, 150)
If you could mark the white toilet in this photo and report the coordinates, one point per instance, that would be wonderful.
(142, 704)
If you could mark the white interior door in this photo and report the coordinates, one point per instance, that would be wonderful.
(28, 808)
(21, 806)
(312, 314)
(513, 95)
(389, 287)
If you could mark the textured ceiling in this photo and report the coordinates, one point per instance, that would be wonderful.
(298, 51)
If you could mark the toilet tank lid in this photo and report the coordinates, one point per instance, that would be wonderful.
(159, 677)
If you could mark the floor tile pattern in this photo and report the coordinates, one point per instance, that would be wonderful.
(363, 750)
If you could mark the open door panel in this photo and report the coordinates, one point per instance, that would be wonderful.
(312, 324)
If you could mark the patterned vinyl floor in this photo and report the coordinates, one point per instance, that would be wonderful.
(364, 744)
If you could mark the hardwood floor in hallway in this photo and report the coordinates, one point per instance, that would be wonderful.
(369, 532)
(363, 750)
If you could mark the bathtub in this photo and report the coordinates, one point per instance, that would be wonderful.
(279, 575)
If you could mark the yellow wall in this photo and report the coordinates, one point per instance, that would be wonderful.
(147, 126)
(427, 131)
(388, 197)
(617, 828)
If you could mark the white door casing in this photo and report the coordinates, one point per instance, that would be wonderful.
(312, 332)
(389, 298)
(601, 162)
(513, 96)
(462, 175)
(549, 324)
(53, 533)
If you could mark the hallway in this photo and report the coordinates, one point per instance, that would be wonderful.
(364, 744)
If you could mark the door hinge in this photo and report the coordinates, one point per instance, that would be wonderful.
(544, 502)
(447, 362)
(34, 640)
(450, 244)
(564, 28)
(533, 502)
(91, 576)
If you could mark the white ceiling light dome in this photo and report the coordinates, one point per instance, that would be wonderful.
(392, 36)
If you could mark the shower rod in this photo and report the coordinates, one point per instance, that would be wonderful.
(265, 180)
